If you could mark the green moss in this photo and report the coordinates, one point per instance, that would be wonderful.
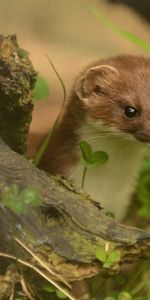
(81, 245)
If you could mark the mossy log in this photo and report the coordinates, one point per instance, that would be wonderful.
(68, 223)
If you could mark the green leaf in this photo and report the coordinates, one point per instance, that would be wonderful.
(109, 298)
(60, 294)
(41, 89)
(101, 254)
(86, 151)
(112, 259)
(98, 158)
(124, 296)
(144, 212)
(143, 192)
(110, 214)
(49, 288)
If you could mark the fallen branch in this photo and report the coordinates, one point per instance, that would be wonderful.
(61, 224)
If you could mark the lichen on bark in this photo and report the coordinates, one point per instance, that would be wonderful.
(17, 79)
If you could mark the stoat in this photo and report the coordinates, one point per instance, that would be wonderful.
(109, 107)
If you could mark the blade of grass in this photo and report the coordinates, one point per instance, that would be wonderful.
(116, 28)
(44, 145)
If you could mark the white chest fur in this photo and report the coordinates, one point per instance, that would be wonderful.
(113, 183)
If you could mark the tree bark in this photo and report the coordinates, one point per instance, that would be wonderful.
(68, 223)
(17, 79)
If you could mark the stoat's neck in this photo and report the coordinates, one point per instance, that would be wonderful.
(110, 184)
(62, 151)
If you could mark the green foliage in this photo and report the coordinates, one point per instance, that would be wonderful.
(112, 259)
(98, 158)
(86, 151)
(91, 159)
(118, 29)
(41, 150)
(19, 201)
(41, 89)
(124, 296)
(49, 288)
(110, 214)
(143, 189)
(23, 53)
(101, 254)
(60, 294)
(121, 296)
(52, 289)
(107, 258)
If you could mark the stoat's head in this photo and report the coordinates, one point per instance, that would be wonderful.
(116, 92)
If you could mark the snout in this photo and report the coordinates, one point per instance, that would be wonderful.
(143, 136)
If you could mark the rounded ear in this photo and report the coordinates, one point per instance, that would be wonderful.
(93, 79)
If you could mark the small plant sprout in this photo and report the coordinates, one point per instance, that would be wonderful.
(91, 159)
(108, 258)
(52, 289)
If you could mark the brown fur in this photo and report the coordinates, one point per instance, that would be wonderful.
(102, 96)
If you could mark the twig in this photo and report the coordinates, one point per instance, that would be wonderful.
(42, 263)
(25, 289)
(12, 294)
(25, 263)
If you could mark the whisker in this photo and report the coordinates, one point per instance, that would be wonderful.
(97, 138)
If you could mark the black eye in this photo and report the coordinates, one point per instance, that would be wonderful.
(130, 112)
